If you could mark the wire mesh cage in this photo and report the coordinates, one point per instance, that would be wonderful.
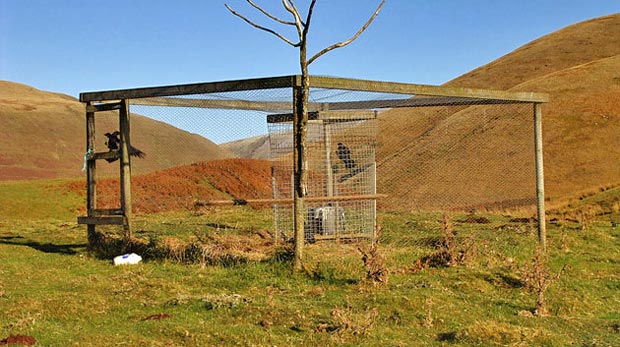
(370, 145)
(341, 187)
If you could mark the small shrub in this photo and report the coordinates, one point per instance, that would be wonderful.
(376, 271)
(537, 278)
(449, 252)
(345, 320)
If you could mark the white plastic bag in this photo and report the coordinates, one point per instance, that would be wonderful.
(127, 259)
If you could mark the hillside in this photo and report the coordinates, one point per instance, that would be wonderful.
(254, 147)
(42, 136)
(179, 187)
(441, 157)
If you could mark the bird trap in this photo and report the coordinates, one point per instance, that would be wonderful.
(341, 191)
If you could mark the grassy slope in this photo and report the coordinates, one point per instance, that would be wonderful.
(53, 290)
(42, 136)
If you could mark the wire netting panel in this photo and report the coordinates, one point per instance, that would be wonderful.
(459, 157)
(192, 151)
(341, 174)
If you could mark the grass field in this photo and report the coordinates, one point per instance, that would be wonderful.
(52, 289)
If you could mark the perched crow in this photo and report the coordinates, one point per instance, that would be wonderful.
(114, 144)
(114, 141)
(344, 153)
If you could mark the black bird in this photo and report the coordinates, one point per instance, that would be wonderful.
(344, 153)
(114, 144)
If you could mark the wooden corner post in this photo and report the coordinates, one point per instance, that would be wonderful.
(125, 167)
(91, 166)
(540, 178)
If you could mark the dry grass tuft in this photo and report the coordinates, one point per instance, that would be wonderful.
(345, 320)
(492, 333)
(213, 250)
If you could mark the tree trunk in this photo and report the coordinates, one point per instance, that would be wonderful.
(300, 125)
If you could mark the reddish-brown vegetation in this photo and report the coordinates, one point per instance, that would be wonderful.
(178, 188)
(18, 340)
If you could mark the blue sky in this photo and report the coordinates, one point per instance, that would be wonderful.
(73, 46)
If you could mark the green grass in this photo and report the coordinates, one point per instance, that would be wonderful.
(37, 200)
(51, 288)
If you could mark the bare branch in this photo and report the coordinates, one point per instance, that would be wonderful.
(290, 6)
(269, 14)
(344, 43)
(280, 36)
(308, 18)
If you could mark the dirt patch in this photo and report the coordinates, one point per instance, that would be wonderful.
(158, 316)
(474, 220)
(18, 340)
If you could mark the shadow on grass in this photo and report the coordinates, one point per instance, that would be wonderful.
(66, 249)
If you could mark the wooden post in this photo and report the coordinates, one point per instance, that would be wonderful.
(540, 178)
(330, 188)
(125, 167)
(91, 168)
(274, 195)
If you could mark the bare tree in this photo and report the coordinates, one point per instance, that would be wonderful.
(300, 121)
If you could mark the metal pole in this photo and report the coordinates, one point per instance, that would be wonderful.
(540, 178)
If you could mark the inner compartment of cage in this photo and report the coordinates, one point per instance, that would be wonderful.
(340, 198)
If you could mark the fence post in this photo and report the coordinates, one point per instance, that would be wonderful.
(540, 178)
(125, 167)
(91, 167)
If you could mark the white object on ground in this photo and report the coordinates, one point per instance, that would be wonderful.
(127, 259)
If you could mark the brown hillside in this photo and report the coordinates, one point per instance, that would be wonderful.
(254, 147)
(574, 45)
(582, 126)
(463, 157)
(177, 188)
(42, 136)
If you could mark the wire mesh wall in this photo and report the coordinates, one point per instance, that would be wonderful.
(419, 152)
(341, 186)
(457, 158)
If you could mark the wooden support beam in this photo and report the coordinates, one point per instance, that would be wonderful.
(105, 212)
(315, 82)
(327, 116)
(267, 106)
(273, 106)
(103, 107)
(101, 220)
(420, 89)
(106, 155)
(416, 102)
(288, 201)
(319, 237)
(188, 89)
